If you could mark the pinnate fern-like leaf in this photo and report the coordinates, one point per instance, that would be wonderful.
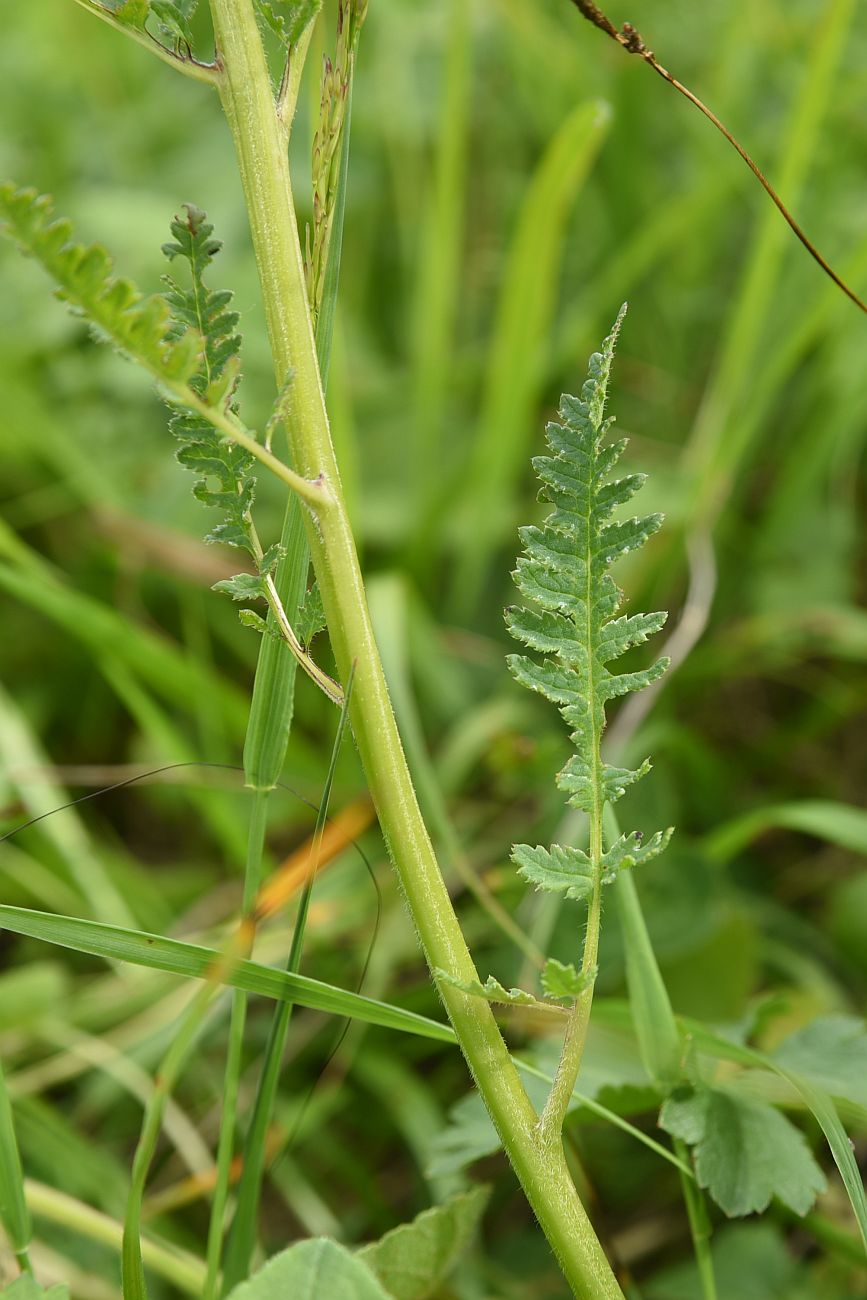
(226, 481)
(139, 326)
(572, 619)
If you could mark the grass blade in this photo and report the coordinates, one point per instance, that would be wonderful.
(116, 943)
(836, 823)
(14, 1213)
(523, 320)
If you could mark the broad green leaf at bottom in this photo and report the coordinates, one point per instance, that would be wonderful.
(316, 1269)
(414, 1258)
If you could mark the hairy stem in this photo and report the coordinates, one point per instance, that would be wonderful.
(246, 95)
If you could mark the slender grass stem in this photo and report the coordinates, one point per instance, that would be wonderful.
(232, 1075)
(699, 1225)
(132, 1266)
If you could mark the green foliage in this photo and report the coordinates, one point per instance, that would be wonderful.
(745, 1151)
(749, 405)
(491, 991)
(130, 13)
(27, 1288)
(288, 19)
(564, 869)
(831, 1054)
(560, 980)
(115, 943)
(14, 1214)
(469, 1135)
(227, 481)
(172, 18)
(412, 1260)
(564, 572)
(311, 1270)
(139, 326)
(311, 616)
(561, 983)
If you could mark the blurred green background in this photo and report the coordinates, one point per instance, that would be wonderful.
(514, 178)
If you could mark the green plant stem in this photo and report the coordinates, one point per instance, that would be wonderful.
(315, 494)
(247, 99)
(699, 1225)
(575, 1038)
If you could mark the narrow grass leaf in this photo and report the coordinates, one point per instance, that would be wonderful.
(191, 960)
(14, 1214)
(649, 1004)
(524, 312)
(835, 823)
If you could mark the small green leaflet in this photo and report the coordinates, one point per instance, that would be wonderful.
(226, 479)
(493, 991)
(412, 1260)
(311, 1270)
(243, 586)
(745, 1151)
(560, 983)
(131, 13)
(562, 869)
(173, 18)
(311, 616)
(288, 19)
(562, 980)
